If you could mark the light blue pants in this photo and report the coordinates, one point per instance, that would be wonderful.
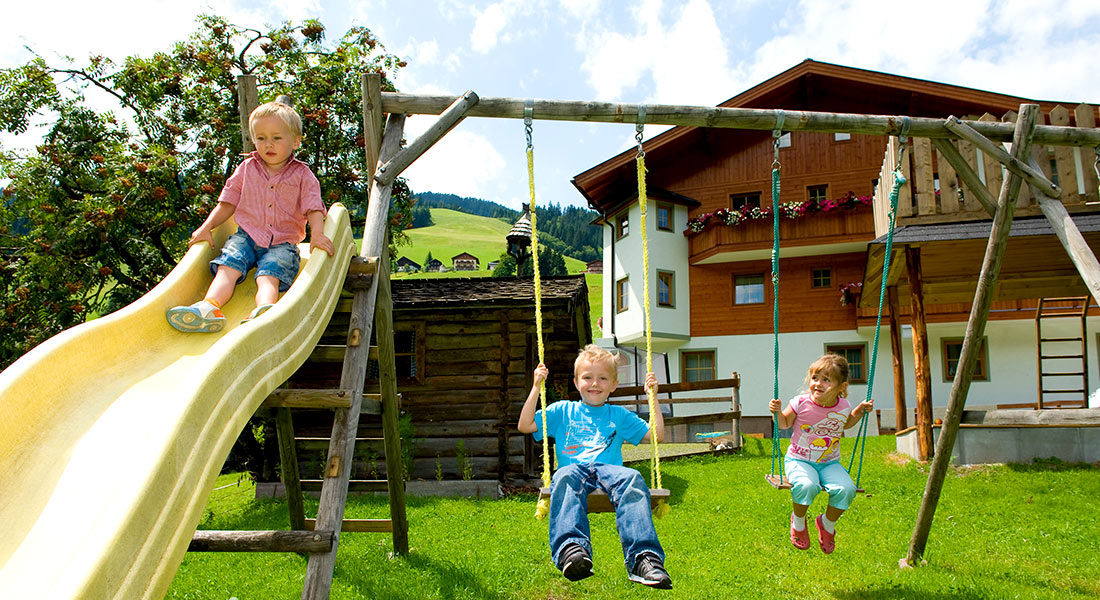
(628, 491)
(808, 479)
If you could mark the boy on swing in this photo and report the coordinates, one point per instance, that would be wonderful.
(588, 439)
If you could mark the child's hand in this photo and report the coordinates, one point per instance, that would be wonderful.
(541, 372)
(864, 407)
(202, 234)
(650, 383)
(774, 405)
(322, 241)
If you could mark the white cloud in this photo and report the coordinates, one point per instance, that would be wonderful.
(488, 26)
(463, 162)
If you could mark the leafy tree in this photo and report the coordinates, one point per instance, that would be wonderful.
(421, 217)
(551, 263)
(101, 210)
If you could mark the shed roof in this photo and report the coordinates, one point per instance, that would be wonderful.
(422, 293)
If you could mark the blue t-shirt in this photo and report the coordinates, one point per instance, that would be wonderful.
(590, 434)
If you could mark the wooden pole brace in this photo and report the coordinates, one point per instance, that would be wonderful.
(1033, 177)
(446, 122)
(969, 178)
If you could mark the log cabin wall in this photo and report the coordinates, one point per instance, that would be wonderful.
(465, 353)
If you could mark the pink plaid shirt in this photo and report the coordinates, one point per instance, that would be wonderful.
(272, 209)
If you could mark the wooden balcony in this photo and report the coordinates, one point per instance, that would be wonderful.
(936, 193)
(749, 238)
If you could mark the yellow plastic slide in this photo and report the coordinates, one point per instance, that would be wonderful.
(113, 432)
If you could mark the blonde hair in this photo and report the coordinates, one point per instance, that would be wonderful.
(593, 354)
(284, 112)
(834, 366)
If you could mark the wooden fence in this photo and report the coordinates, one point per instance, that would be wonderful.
(936, 193)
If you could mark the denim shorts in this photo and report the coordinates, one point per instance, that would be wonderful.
(241, 253)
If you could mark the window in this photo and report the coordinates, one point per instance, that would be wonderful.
(622, 294)
(750, 200)
(622, 226)
(817, 193)
(821, 278)
(408, 338)
(952, 353)
(841, 137)
(856, 355)
(697, 366)
(665, 288)
(664, 217)
(748, 289)
(785, 140)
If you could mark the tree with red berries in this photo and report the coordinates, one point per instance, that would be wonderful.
(100, 210)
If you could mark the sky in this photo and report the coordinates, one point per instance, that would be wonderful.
(695, 52)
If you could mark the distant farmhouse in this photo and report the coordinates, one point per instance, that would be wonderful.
(465, 262)
(492, 266)
(407, 265)
(595, 266)
(434, 266)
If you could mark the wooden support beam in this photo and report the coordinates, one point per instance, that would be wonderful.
(1033, 177)
(330, 513)
(970, 179)
(895, 354)
(387, 378)
(288, 458)
(261, 541)
(248, 99)
(359, 525)
(921, 364)
(446, 122)
(734, 118)
(975, 329)
(1072, 240)
(372, 124)
(295, 398)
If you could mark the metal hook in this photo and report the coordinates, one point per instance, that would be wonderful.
(638, 127)
(777, 134)
(528, 115)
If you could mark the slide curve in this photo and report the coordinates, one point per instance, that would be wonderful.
(112, 433)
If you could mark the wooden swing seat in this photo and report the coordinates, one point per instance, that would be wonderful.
(599, 502)
(781, 483)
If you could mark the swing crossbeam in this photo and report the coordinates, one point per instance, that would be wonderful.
(600, 502)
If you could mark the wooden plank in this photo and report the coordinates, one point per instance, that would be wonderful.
(996, 159)
(991, 168)
(922, 367)
(359, 525)
(447, 121)
(923, 180)
(261, 541)
(599, 502)
(723, 117)
(708, 418)
(302, 398)
(975, 195)
(666, 388)
(288, 460)
(949, 184)
(387, 376)
(669, 401)
(247, 101)
(975, 329)
(1084, 115)
(1066, 167)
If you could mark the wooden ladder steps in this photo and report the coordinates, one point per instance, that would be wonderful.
(1059, 391)
(1064, 339)
(1045, 356)
(1063, 374)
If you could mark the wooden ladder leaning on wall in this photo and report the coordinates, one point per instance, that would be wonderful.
(372, 307)
(1056, 360)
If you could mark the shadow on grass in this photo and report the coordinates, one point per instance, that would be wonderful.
(1044, 465)
(450, 580)
(899, 592)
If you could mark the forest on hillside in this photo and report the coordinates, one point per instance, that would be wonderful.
(568, 229)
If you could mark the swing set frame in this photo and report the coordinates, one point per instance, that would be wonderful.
(1020, 168)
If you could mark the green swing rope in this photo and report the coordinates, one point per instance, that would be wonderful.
(899, 180)
(777, 133)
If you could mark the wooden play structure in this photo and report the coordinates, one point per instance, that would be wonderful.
(372, 305)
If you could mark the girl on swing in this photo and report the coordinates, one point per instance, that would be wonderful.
(819, 417)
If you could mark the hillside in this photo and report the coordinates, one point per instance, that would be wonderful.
(456, 232)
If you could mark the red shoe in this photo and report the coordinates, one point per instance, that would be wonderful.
(826, 540)
(800, 539)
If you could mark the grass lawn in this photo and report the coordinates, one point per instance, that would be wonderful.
(1015, 531)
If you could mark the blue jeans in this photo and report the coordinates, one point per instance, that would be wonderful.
(629, 493)
(239, 252)
(807, 480)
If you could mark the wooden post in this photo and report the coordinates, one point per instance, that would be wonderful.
(372, 123)
(334, 490)
(921, 364)
(288, 458)
(391, 434)
(975, 329)
(895, 352)
(247, 101)
(735, 406)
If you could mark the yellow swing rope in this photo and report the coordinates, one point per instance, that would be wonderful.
(543, 507)
(662, 507)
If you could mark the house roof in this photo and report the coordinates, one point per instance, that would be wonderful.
(809, 85)
(424, 293)
(465, 255)
(1035, 264)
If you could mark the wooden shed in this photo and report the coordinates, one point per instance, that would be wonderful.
(465, 352)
